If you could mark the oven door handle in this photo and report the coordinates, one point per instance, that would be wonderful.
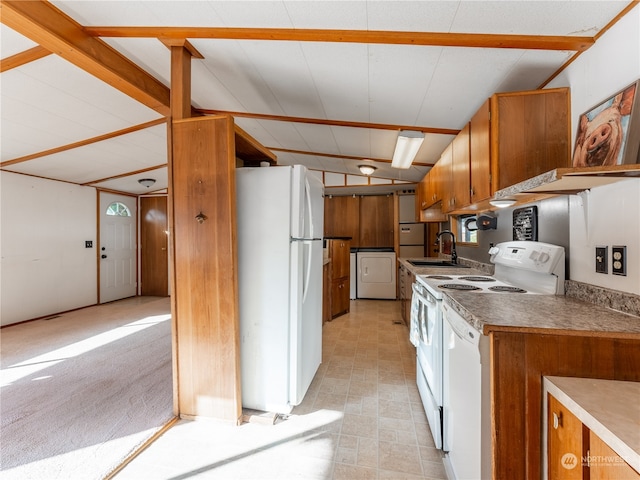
(419, 295)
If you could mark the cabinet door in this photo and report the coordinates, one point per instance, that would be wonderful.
(339, 297)
(376, 221)
(530, 133)
(443, 187)
(606, 464)
(565, 446)
(326, 292)
(480, 153)
(342, 217)
(460, 180)
(339, 251)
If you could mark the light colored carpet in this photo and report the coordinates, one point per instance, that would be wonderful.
(81, 392)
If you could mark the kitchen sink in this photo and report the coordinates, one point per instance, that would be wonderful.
(436, 263)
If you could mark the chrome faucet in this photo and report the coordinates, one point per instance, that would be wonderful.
(454, 254)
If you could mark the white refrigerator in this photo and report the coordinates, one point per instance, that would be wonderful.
(280, 215)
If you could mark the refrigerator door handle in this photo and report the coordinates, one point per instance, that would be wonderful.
(307, 191)
(305, 285)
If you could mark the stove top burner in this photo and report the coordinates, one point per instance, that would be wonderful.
(477, 279)
(439, 277)
(458, 286)
(507, 288)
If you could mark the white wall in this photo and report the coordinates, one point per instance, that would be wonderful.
(45, 267)
(607, 215)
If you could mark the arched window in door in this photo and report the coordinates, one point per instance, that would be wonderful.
(118, 209)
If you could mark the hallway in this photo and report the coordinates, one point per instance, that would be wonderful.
(361, 419)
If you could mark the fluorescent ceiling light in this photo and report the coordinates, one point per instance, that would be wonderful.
(502, 202)
(407, 147)
(367, 169)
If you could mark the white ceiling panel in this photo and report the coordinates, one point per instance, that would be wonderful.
(340, 76)
(64, 106)
(471, 76)
(12, 43)
(351, 15)
(130, 184)
(399, 80)
(115, 156)
(227, 62)
(282, 69)
(150, 54)
(412, 16)
(49, 103)
(551, 17)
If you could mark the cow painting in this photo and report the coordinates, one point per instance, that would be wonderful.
(602, 131)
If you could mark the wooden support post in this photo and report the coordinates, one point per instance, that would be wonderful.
(204, 296)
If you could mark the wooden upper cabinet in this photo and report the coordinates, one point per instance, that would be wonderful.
(512, 137)
(376, 221)
(342, 218)
(480, 153)
(459, 176)
(530, 134)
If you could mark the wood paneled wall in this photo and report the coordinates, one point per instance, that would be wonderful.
(204, 295)
(518, 363)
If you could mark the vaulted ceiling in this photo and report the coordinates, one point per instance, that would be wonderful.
(85, 84)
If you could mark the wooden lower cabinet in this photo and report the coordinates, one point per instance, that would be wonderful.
(518, 363)
(326, 292)
(576, 453)
(339, 253)
(339, 296)
(405, 283)
(566, 443)
(605, 464)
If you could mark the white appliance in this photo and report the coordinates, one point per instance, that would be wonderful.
(460, 376)
(411, 238)
(376, 271)
(280, 225)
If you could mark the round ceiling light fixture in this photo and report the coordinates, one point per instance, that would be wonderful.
(147, 182)
(367, 169)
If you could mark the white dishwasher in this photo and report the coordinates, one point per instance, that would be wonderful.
(466, 399)
(376, 270)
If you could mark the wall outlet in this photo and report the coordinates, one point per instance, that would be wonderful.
(88, 244)
(601, 260)
(619, 257)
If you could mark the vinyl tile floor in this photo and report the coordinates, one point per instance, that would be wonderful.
(362, 418)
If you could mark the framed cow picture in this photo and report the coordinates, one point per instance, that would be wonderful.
(609, 133)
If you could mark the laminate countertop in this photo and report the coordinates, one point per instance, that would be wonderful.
(591, 401)
(556, 314)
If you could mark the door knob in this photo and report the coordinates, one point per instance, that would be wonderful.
(103, 256)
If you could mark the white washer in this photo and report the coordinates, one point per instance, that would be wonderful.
(376, 274)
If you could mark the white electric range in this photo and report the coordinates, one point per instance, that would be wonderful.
(449, 370)
(520, 267)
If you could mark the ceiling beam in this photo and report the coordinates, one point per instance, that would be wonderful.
(344, 157)
(43, 23)
(23, 58)
(333, 123)
(526, 42)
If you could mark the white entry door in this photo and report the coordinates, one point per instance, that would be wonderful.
(118, 220)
